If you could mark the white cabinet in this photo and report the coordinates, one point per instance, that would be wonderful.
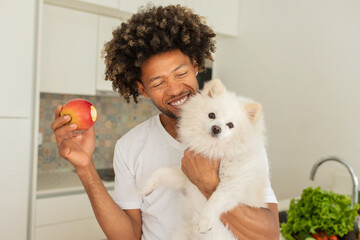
(17, 24)
(86, 229)
(15, 159)
(131, 6)
(66, 217)
(72, 40)
(106, 26)
(17, 68)
(94, 6)
(220, 15)
(103, 3)
(68, 53)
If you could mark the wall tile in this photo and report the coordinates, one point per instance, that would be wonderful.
(115, 118)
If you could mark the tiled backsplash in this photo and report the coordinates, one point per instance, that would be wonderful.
(115, 118)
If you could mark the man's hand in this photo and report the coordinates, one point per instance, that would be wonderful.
(76, 147)
(249, 223)
(202, 172)
(245, 222)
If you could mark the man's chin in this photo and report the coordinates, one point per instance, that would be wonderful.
(172, 115)
(169, 113)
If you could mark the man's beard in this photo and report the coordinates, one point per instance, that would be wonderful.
(167, 112)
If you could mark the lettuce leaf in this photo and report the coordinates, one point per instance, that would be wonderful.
(319, 210)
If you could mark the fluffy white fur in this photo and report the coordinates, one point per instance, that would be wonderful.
(243, 168)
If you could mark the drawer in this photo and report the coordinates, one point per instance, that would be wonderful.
(62, 209)
(85, 229)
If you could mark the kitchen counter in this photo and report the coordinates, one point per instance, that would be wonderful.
(63, 183)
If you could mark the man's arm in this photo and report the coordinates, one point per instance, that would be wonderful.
(77, 148)
(245, 222)
(114, 221)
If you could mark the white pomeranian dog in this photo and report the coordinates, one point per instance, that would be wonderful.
(218, 125)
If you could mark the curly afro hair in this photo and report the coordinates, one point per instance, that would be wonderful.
(151, 31)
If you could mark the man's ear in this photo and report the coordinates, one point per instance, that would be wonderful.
(141, 89)
(213, 88)
(196, 67)
(253, 111)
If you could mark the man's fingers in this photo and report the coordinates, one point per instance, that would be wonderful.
(183, 168)
(188, 153)
(66, 131)
(59, 122)
(216, 162)
(58, 111)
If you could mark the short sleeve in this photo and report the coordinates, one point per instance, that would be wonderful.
(269, 195)
(126, 194)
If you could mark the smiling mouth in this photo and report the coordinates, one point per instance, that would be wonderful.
(179, 102)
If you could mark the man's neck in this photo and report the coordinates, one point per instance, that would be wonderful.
(169, 124)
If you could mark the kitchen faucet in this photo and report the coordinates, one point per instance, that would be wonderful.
(354, 198)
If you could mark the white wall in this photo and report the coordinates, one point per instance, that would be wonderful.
(301, 60)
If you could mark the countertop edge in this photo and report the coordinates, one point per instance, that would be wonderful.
(68, 191)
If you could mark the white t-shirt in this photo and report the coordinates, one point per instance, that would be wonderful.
(138, 154)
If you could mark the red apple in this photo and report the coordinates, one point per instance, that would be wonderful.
(82, 112)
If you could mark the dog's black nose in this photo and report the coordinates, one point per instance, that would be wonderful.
(216, 129)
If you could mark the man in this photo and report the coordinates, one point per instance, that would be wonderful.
(157, 54)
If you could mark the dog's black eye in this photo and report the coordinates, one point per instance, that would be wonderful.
(230, 125)
(212, 115)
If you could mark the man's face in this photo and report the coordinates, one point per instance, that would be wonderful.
(169, 79)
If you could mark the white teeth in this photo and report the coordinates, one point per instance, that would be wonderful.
(180, 102)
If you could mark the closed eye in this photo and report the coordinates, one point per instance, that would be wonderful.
(157, 84)
(182, 74)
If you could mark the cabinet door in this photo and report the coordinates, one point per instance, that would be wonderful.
(67, 217)
(68, 51)
(15, 158)
(106, 26)
(88, 229)
(17, 24)
(131, 6)
(104, 3)
(222, 16)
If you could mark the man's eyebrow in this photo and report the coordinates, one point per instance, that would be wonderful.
(154, 78)
(178, 67)
(174, 70)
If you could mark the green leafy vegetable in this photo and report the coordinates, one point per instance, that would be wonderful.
(319, 210)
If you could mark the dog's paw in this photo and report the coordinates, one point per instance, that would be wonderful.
(203, 225)
(147, 190)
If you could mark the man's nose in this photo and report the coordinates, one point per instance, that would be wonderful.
(173, 87)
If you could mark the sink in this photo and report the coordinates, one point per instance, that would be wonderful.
(106, 174)
(282, 217)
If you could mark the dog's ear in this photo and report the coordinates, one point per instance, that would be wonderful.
(253, 111)
(213, 88)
